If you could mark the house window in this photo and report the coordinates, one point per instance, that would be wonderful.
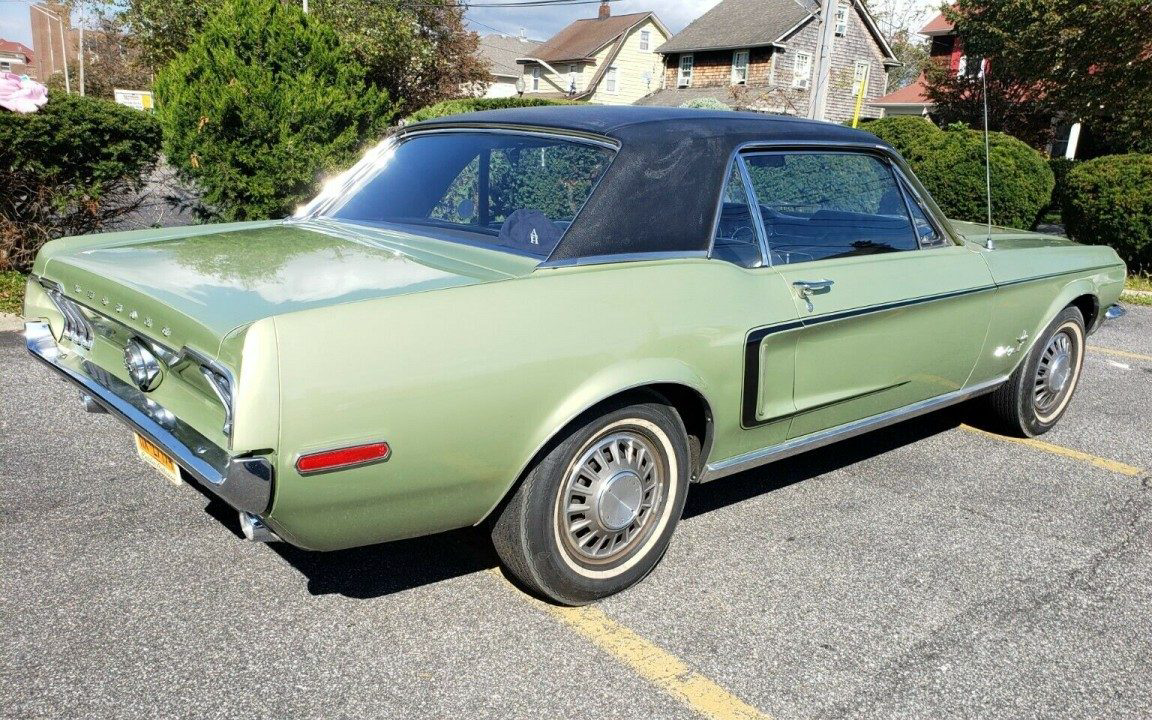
(772, 68)
(802, 70)
(610, 81)
(740, 67)
(5, 66)
(841, 20)
(572, 79)
(859, 76)
(645, 40)
(686, 64)
(535, 79)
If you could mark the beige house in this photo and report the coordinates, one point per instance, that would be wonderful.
(611, 60)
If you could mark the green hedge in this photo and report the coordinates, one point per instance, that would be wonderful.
(906, 133)
(950, 163)
(1061, 166)
(264, 102)
(71, 168)
(467, 105)
(1108, 201)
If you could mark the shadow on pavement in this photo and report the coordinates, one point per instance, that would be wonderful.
(379, 570)
(737, 488)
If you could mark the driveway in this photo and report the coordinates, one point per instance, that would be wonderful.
(929, 570)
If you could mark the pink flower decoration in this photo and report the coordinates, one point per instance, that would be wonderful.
(21, 94)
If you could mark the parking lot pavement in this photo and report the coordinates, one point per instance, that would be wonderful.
(923, 571)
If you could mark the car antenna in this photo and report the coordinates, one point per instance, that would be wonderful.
(988, 244)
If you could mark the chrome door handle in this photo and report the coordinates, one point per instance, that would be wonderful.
(808, 288)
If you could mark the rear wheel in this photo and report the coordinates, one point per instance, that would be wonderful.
(596, 513)
(1035, 397)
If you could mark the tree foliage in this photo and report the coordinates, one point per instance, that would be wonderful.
(467, 105)
(1107, 202)
(114, 59)
(419, 53)
(909, 134)
(263, 103)
(1088, 60)
(74, 167)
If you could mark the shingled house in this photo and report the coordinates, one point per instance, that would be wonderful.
(762, 55)
(608, 59)
(501, 52)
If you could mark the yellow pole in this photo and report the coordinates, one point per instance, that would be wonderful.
(860, 95)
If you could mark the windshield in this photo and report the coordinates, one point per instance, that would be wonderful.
(511, 191)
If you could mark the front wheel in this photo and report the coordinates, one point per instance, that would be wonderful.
(1036, 395)
(595, 514)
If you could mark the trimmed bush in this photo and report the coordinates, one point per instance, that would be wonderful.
(1061, 166)
(950, 163)
(73, 167)
(467, 105)
(906, 133)
(262, 105)
(705, 103)
(1108, 201)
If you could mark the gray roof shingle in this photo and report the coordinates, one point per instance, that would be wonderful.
(501, 52)
(741, 24)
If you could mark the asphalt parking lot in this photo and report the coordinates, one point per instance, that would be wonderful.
(929, 570)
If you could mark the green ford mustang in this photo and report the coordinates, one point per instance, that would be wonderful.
(551, 322)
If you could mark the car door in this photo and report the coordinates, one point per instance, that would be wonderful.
(892, 312)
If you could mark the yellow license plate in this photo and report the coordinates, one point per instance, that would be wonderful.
(158, 459)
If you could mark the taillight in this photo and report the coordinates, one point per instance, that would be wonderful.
(342, 458)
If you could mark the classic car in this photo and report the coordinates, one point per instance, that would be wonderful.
(551, 322)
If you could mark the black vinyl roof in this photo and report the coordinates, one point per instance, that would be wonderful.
(661, 192)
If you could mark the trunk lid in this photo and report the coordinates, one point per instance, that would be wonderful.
(193, 286)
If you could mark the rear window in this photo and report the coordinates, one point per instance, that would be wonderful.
(505, 190)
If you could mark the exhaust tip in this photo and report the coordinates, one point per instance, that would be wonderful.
(255, 530)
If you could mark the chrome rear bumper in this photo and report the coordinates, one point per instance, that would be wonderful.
(245, 483)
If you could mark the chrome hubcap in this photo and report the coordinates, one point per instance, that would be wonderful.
(1054, 372)
(611, 497)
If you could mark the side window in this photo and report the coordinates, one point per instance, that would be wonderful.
(819, 205)
(736, 240)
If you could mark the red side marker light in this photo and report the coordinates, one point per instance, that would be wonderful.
(342, 458)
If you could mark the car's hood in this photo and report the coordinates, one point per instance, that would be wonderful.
(203, 282)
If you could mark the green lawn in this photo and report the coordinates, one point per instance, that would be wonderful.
(1143, 283)
(11, 291)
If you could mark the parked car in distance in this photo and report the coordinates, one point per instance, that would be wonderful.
(552, 322)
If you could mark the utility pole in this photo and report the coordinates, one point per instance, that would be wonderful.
(81, 60)
(823, 59)
(305, 7)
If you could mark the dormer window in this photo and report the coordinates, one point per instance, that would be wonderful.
(740, 67)
(687, 62)
(841, 20)
(645, 40)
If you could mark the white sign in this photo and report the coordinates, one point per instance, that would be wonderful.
(139, 99)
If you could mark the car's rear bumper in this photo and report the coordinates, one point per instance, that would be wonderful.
(245, 483)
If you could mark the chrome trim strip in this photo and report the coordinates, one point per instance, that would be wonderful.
(624, 257)
(747, 461)
(244, 483)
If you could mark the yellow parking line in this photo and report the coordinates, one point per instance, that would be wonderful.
(653, 663)
(1120, 353)
(1110, 465)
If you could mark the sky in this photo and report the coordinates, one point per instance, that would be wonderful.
(539, 23)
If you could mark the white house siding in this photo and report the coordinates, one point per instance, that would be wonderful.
(500, 87)
(552, 83)
(632, 64)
